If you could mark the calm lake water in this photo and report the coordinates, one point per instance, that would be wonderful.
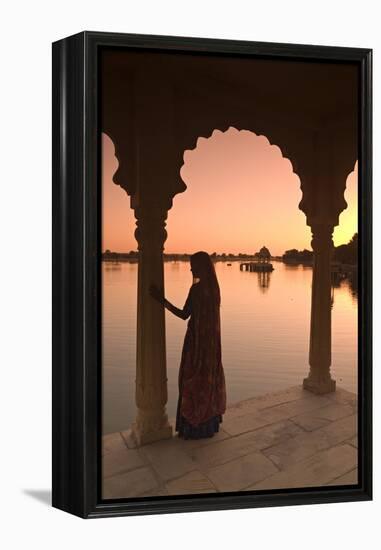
(265, 333)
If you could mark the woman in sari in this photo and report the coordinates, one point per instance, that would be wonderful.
(202, 394)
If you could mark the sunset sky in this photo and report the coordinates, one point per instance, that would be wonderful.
(241, 194)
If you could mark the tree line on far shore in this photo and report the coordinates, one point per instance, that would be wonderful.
(345, 253)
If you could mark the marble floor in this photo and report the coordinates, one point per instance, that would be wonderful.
(287, 439)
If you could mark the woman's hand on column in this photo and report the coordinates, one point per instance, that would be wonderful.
(156, 293)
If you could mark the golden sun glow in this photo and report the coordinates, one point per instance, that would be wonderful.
(241, 194)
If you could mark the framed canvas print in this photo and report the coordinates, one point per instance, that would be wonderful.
(211, 274)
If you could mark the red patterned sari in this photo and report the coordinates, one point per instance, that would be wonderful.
(202, 393)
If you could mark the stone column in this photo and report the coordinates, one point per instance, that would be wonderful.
(151, 377)
(319, 379)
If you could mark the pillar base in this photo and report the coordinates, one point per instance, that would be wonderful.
(319, 385)
(150, 427)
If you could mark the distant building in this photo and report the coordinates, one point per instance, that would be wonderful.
(264, 255)
(261, 264)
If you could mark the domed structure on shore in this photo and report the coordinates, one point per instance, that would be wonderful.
(264, 254)
(261, 262)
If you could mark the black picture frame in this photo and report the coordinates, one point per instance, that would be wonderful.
(76, 277)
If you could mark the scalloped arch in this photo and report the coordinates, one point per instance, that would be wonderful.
(272, 140)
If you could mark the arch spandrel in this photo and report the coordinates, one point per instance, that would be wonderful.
(155, 111)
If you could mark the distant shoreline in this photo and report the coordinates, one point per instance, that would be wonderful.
(120, 257)
(343, 256)
(126, 257)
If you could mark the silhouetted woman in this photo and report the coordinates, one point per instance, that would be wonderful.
(202, 394)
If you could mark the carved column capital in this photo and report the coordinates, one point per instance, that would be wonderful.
(150, 227)
(322, 237)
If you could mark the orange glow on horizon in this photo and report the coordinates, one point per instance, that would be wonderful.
(241, 194)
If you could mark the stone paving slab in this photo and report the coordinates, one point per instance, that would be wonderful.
(334, 412)
(306, 444)
(319, 469)
(191, 444)
(290, 438)
(293, 408)
(264, 401)
(122, 460)
(131, 484)
(247, 423)
(345, 428)
(241, 472)
(243, 444)
(192, 482)
(294, 450)
(353, 441)
(350, 478)
(112, 443)
(322, 416)
(168, 458)
(280, 397)
(258, 417)
(309, 422)
(343, 396)
(129, 439)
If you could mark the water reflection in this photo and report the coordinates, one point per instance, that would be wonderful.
(265, 321)
(351, 283)
(264, 280)
(112, 266)
(294, 267)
